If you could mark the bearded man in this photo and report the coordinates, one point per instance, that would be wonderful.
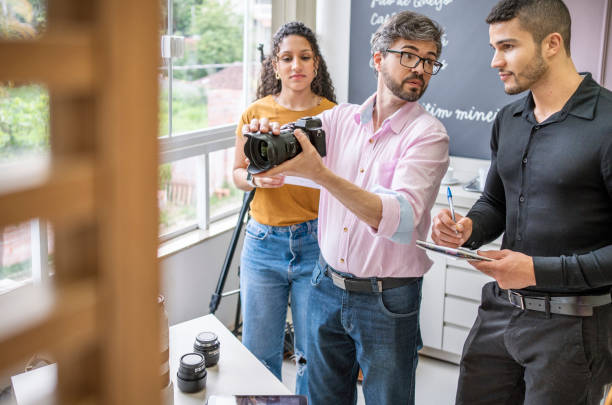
(385, 160)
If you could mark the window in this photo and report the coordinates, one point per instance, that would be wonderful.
(26, 254)
(26, 249)
(204, 89)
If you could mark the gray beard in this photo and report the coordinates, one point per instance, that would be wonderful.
(397, 88)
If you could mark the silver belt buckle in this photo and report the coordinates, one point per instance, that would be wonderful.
(512, 294)
(337, 280)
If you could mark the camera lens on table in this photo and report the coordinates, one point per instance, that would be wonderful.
(208, 345)
(191, 375)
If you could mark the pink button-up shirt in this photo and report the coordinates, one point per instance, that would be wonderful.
(403, 163)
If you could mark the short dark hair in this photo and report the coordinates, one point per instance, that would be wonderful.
(407, 25)
(538, 17)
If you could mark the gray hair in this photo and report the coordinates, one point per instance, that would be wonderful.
(407, 25)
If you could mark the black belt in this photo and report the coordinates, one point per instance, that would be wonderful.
(578, 305)
(367, 284)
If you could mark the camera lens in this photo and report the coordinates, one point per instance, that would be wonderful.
(263, 151)
(208, 345)
(191, 375)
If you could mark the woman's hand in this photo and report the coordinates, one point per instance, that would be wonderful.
(267, 181)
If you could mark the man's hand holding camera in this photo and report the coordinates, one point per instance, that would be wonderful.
(309, 164)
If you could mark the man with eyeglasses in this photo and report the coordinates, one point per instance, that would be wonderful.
(385, 160)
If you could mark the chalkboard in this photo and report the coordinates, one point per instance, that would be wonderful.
(467, 94)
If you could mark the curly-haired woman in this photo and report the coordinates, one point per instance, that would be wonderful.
(280, 248)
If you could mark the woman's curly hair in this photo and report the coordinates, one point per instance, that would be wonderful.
(268, 84)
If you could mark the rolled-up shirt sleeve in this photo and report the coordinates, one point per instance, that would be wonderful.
(414, 186)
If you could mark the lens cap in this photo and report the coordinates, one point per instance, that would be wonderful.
(191, 375)
(207, 343)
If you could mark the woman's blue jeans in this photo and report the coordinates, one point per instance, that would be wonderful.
(277, 263)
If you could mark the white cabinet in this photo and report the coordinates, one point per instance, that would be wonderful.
(452, 288)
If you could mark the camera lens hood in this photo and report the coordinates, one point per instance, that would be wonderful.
(207, 344)
(191, 375)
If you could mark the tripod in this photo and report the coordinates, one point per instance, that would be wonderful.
(218, 294)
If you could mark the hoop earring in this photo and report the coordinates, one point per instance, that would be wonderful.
(315, 72)
(277, 75)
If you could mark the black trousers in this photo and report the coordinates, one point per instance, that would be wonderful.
(514, 356)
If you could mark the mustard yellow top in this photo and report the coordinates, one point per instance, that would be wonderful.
(289, 204)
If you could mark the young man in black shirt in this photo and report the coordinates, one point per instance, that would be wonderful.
(544, 329)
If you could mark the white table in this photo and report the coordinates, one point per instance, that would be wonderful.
(238, 370)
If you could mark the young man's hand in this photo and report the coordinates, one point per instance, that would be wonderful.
(512, 270)
(445, 232)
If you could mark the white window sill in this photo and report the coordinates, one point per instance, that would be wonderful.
(192, 238)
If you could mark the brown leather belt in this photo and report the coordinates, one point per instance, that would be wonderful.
(581, 305)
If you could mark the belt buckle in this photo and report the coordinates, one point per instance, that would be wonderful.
(512, 294)
(338, 280)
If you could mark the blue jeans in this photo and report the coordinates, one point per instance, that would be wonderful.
(378, 332)
(277, 261)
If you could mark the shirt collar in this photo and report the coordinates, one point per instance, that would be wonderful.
(396, 121)
(581, 104)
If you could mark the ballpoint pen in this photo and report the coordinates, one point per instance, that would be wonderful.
(449, 197)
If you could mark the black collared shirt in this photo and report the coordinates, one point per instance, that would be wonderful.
(550, 190)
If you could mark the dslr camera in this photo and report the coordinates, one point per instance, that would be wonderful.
(267, 150)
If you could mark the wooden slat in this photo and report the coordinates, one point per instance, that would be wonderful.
(63, 192)
(69, 52)
(42, 320)
(128, 111)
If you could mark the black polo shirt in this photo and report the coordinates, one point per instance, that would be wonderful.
(550, 190)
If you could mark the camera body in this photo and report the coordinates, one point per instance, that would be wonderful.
(265, 151)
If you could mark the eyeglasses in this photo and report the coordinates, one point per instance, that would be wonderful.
(410, 60)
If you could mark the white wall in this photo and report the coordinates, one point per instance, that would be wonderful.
(190, 277)
(333, 32)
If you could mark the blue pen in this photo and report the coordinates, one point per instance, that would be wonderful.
(449, 197)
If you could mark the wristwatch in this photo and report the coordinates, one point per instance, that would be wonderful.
(250, 180)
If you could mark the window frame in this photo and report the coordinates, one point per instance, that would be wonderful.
(201, 142)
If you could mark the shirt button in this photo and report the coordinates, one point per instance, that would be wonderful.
(345, 229)
(371, 141)
(519, 237)
(522, 199)
(341, 260)
(525, 161)
(361, 170)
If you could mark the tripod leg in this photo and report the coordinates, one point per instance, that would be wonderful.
(216, 297)
(237, 324)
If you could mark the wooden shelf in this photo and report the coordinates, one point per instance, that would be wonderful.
(70, 52)
(61, 192)
(39, 319)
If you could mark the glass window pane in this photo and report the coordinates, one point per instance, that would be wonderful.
(22, 19)
(259, 26)
(163, 72)
(15, 256)
(24, 121)
(163, 100)
(50, 249)
(225, 198)
(177, 195)
(207, 80)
